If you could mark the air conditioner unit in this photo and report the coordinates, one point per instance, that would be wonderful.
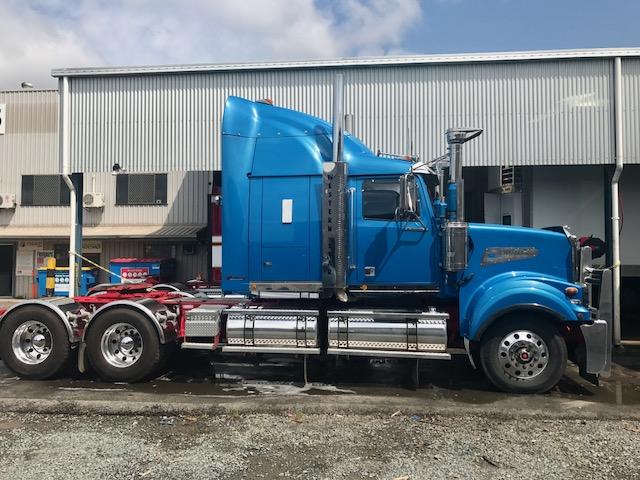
(93, 200)
(7, 200)
(510, 179)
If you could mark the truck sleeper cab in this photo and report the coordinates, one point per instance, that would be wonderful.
(406, 277)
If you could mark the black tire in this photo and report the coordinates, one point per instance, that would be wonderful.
(59, 349)
(513, 376)
(144, 366)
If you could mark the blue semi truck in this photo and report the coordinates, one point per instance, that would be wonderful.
(330, 249)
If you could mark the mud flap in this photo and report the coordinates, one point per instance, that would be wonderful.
(82, 361)
(598, 336)
(467, 347)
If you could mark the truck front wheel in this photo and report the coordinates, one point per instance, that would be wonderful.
(123, 346)
(34, 343)
(523, 354)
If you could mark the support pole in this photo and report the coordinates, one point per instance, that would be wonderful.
(615, 213)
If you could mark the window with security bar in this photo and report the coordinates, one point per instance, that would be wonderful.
(44, 191)
(141, 189)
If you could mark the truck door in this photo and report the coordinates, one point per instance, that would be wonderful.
(392, 252)
(285, 229)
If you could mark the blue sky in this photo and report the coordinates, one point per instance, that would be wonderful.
(39, 35)
(458, 26)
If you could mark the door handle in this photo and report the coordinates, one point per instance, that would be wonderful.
(268, 263)
(415, 229)
(369, 271)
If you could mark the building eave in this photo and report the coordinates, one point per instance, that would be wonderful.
(405, 60)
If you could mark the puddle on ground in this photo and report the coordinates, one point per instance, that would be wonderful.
(197, 375)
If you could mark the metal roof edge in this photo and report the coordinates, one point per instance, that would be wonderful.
(353, 62)
(30, 90)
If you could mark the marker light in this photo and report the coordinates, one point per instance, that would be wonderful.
(571, 291)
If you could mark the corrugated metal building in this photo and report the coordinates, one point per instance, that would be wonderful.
(549, 113)
(36, 227)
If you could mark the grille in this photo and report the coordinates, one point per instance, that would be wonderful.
(142, 189)
(46, 189)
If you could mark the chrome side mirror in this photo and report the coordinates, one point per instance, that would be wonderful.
(408, 196)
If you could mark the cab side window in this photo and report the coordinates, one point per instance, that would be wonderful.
(380, 198)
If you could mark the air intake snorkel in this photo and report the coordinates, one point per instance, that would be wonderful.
(455, 230)
(455, 190)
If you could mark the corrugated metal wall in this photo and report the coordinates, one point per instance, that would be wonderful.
(186, 202)
(29, 146)
(631, 109)
(543, 112)
(23, 287)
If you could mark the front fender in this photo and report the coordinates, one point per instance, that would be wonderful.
(510, 292)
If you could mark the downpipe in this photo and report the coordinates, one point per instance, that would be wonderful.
(64, 157)
(72, 234)
(615, 208)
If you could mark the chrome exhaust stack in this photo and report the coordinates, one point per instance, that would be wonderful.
(334, 205)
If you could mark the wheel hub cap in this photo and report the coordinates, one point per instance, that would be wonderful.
(38, 340)
(127, 344)
(523, 354)
(121, 345)
(32, 342)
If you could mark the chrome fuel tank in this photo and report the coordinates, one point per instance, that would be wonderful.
(382, 330)
(271, 330)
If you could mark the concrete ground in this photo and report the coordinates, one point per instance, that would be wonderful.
(354, 419)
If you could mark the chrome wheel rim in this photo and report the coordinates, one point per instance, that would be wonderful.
(523, 355)
(32, 342)
(121, 345)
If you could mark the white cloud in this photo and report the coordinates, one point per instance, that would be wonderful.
(43, 34)
(30, 46)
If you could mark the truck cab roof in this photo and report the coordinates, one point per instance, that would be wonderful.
(291, 143)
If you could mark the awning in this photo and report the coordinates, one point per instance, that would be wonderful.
(105, 231)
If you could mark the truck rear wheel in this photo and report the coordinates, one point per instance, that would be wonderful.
(123, 346)
(523, 354)
(34, 343)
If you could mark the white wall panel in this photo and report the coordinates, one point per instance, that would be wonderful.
(572, 196)
(630, 199)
